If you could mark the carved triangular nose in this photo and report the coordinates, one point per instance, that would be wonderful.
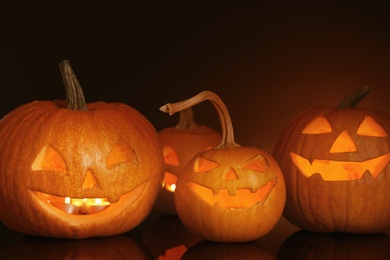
(90, 181)
(231, 175)
(343, 144)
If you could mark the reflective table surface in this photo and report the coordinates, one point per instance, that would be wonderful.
(164, 237)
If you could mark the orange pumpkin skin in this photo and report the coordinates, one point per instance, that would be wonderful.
(110, 152)
(224, 221)
(180, 144)
(351, 194)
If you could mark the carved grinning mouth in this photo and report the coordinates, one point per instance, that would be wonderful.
(86, 206)
(244, 198)
(341, 170)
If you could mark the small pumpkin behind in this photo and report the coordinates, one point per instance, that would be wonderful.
(230, 193)
(69, 169)
(180, 143)
(335, 162)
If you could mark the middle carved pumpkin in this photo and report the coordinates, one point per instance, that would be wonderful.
(231, 193)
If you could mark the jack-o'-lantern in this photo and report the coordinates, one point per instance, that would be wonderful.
(180, 144)
(336, 166)
(77, 170)
(230, 193)
(335, 245)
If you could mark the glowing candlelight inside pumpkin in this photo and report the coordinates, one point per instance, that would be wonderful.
(75, 206)
(170, 181)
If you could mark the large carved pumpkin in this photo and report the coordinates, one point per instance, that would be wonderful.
(231, 193)
(336, 165)
(76, 170)
(180, 143)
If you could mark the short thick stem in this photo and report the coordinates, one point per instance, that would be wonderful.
(352, 100)
(186, 120)
(223, 114)
(74, 93)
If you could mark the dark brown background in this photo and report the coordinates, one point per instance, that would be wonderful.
(267, 61)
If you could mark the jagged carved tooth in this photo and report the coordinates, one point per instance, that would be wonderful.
(368, 176)
(316, 175)
(215, 191)
(232, 191)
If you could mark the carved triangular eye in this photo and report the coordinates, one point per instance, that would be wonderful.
(170, 156)
(49, 159)
(204, 165)
(369, 127)
(122, 152)
(257, 163)
(319, 125)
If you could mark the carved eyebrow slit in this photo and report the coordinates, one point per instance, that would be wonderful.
(122, 152)
(49, 159)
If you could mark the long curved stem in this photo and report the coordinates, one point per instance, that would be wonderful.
(223, 114)
(74, 92)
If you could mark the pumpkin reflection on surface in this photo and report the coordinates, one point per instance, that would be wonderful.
(211, 250)
(310, 245)
(180, 144)
(115, 247)
(167, 239)
(336, 166)
(74, 170)
(231, 193)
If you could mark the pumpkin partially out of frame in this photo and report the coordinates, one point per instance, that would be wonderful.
(180, 143)
(230, 193)
(77, 170)
(336, 166)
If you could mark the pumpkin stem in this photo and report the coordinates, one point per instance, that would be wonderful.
(352, 100)
(74, 93)
(186, 120)
(223, 113)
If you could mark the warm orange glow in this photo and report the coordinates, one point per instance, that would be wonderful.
(90, 181)
(170, 181)
(170, 156)
(49, 159)
(369, 127)
(75, 206)
(230, 175)
(343, 144)
(173, 253)
(242, 198)
(257, 163)
(204, 165)
(122, 152)
(319, 125)
(341, 171)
